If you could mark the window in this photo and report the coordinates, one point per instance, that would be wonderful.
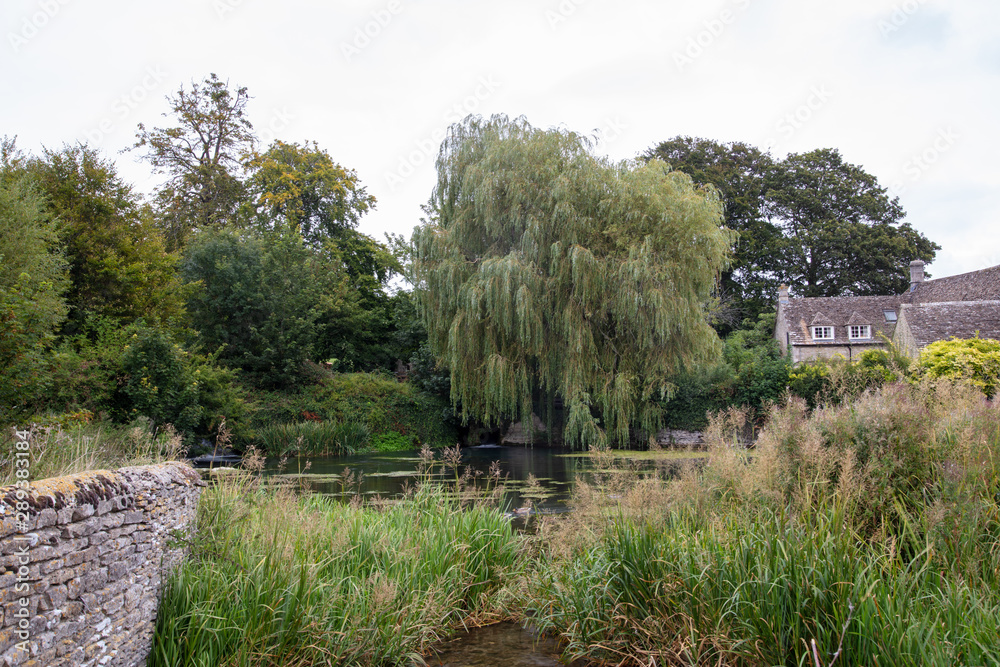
(822, 333)
(859, 331)
(890, 315)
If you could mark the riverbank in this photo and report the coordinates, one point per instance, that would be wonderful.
(862, 534)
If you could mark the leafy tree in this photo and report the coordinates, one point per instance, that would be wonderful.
(546, 269)
(739, 172)
(118, 265)
(842, 233)
(262, 300)
(202, 155)
(823, 226)
(32, 284)
(301, 189)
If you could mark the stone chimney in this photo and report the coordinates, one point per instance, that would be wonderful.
(783, 294)
(916, 273)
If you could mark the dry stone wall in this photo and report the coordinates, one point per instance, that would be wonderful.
(81, 562)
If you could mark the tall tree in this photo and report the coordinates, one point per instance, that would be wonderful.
(32, 283)
(118, 265)
(202, 154)
(740, 174)
(811, 220)
(544, 268)
(842, 233)
(301, 189)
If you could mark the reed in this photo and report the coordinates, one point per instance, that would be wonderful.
(311, 437)
(276, 579)
(865, 533)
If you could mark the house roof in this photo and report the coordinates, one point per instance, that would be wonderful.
(982, 285)
(929, 322)
(838, 311)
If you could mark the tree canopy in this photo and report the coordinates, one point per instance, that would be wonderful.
(202, 154)
(545, 269)
(812, 220)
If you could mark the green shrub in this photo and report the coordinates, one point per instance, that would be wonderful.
(378, 401)
(976, 360)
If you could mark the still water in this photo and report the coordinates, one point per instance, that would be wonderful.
(536, 480)
(541, 478)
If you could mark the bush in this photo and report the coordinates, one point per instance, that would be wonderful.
(377, 401)
(976, 360)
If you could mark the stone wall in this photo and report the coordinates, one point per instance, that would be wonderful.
(81, 561)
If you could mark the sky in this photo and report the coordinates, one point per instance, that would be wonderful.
(906, 89)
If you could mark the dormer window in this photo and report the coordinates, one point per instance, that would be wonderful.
(822, 333)
(890, 315)
(859, 331)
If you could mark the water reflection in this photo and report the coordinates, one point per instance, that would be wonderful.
(500, 645)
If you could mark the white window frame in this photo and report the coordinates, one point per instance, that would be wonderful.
(864, 331)
(819, 332)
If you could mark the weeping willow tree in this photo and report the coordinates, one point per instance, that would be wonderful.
(546, 271)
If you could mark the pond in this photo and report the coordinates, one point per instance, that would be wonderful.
(541, 478)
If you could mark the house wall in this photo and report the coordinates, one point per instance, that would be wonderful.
(82, 558)
(811, 352)
(781, 330)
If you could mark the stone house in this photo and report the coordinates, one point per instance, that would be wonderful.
(961, 306)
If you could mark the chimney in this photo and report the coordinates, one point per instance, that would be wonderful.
(783, 294)
(916, 273)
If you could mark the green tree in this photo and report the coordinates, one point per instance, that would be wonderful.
(301, 189)
(202, 154)
(823, 226)
(546, 269)
(842, 233)
(739, 172)
(32, 283)
(118, 265)
(261, 299)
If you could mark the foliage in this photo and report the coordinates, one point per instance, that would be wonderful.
(259, 301)
(301, 189)
(274, 579)
(838, 380)
(201, 155)
(813, 221)
(376, 401)
(870, 529)
(118, 266)
(32, 283)
(313, 437)
(752, 373)
(738, 172)
(168, 385)
(818, 200)
(545, 268)
(73, 443)
(975, 360)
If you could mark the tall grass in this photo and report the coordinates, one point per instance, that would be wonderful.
(311, 437)
(56, 451)
(867, 533)
(275, 579)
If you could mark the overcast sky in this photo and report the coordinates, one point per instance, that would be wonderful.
(907, 89)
